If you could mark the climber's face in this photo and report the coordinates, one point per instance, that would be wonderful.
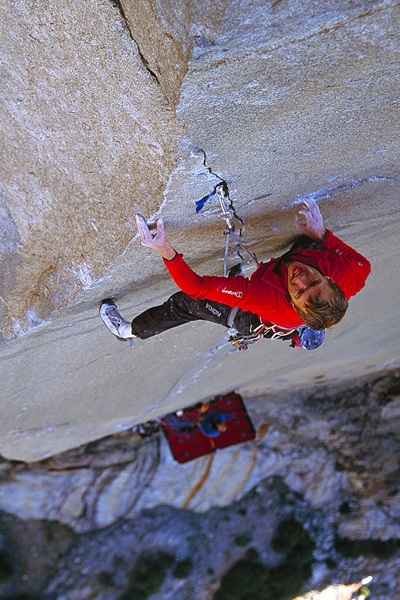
(306, 283)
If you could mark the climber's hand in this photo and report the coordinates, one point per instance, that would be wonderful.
(314, 223)
(159, 241)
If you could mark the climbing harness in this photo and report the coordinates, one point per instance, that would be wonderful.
(242, 341)
(301, 337)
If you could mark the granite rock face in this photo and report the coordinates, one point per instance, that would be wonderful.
(90, 134)
(89, 137)
(88, 140)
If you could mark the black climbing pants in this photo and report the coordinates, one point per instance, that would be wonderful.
(181, 308)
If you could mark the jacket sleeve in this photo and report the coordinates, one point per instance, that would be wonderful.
(237, 291)
(350, 269)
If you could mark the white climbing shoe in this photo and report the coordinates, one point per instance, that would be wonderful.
(114, 322)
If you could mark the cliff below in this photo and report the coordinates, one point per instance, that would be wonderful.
(78, 525)
(114, 108)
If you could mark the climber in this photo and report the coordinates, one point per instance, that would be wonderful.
(307, 288)
(211, 424)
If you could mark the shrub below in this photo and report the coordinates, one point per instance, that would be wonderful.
(250, 579)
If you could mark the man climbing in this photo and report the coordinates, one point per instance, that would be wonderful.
(304, 291)
(211, 424)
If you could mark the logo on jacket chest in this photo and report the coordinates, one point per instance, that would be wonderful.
(232, 293)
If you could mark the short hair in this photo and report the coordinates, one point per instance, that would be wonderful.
(322, 314)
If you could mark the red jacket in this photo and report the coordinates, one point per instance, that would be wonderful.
(265, 293)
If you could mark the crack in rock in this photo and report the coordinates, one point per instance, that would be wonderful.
(118, 5)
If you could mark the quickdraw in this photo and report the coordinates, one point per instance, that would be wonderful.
(228, 214)
(242, 342)
(221, 190)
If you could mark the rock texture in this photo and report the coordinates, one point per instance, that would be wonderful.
(113, 107)
(328, 458)
(283, 99)
(110, 108)
(88, 140)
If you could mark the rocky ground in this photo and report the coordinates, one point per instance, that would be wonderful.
(322, 509)
(112, 108)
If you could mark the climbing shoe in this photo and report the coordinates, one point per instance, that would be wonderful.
(114, 322)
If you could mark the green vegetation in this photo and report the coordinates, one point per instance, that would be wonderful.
(249, 579)
(6, 568)
(183, 569)
(106, 579)
(242, 540)
(356, 548)
(364, 591)
(23, 596)
(150, 572)
(244, 581)
(148, 575)
(293, 540)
